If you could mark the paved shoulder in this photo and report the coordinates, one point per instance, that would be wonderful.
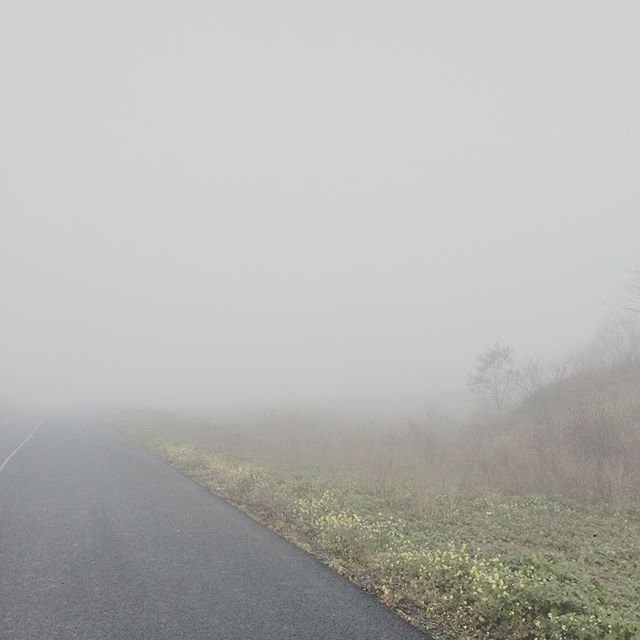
(98, 540)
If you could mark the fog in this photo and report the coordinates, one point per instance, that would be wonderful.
(334, 204)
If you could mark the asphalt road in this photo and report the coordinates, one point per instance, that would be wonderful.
(98, 539)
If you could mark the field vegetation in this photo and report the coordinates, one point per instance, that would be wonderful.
(523, 523)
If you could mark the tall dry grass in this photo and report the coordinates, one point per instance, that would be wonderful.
(576, 436)
(579, 438)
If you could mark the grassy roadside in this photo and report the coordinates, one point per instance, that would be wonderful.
(479, 567)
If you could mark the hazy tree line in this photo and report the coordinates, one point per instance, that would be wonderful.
(501, 381)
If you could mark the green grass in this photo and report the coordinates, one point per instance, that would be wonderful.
(487, 566)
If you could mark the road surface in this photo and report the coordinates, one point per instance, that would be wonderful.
(99, 540)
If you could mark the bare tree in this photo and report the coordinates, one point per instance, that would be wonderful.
(531, 377)
(617, 341)
(495, 377)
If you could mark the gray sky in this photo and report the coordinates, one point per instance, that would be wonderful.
(208, 203)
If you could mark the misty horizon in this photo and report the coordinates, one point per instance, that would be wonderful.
(331, 206)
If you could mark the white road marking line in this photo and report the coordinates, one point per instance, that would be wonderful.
(13, 453)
